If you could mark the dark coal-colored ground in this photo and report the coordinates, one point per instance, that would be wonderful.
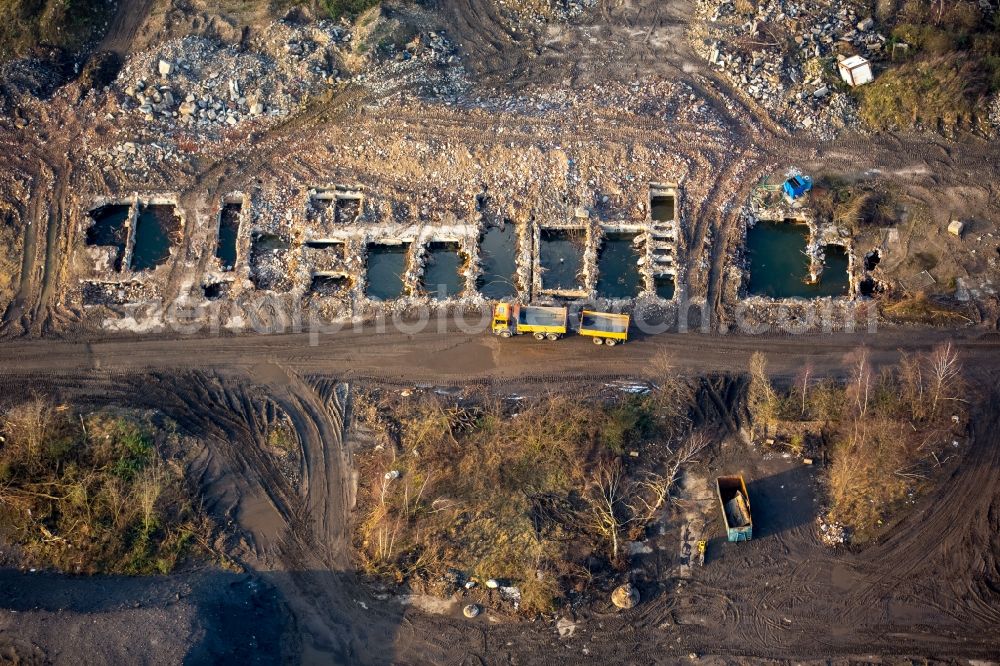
(203, 617)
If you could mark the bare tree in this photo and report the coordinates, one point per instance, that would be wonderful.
(803, 380)
(945, 372)
(762, 398)
(606, 498)
(654, 489)
(861, 381)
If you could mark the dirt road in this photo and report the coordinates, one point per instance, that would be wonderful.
(456, 357)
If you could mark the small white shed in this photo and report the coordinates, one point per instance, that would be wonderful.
(856, 70)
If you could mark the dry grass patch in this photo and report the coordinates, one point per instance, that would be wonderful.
(943, 91)
(883, 432)
(90, 494)
(521, 491)
(922, 309)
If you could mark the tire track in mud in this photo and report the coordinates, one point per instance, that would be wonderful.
(961, 516)
(320, 425)
(17, 311)
(299, 535)
(314, 571)
(55, 221)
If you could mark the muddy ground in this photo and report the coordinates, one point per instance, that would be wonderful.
(927, 588)
(576, 101)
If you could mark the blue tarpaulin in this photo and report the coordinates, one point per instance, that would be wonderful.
(796, 186)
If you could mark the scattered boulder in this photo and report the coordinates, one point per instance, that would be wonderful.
(165, 67)
(625, 596)
(471, 610)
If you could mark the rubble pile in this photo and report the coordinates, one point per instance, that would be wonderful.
(670, 101)
(116, 293)
(429, 65)
(524, 14)
(204, 83)
(137, 157)
(798, 82)
(271, 267)
(832, 533)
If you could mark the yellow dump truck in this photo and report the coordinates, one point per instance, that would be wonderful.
(604, 328)
(542, 322)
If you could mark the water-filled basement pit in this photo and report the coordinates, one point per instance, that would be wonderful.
(498, 257)
(386, 266)
(155, 229)
(442, 278)
(665, 286)
(779, 265)
(560, 256)
(229, 229)
(662, 208)
(618, 273)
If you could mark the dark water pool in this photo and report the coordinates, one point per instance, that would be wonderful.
(779, 265)
(560, 255)
(662, 208)
(109, 225)
(229, 229)
(617, 268)
(498, 255)
(154, 228)
(441, 272)
(386, 265)
(665, 286)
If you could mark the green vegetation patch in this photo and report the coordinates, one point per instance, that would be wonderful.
(347, 8)
(954, 63)
(90, 493)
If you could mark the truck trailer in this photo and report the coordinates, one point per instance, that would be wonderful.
(541, 321)
(604, 327)
(735, 503)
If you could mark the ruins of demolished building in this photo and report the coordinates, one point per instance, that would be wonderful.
(749, 48)
(326, 252)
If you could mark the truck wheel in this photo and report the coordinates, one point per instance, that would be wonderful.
(539, 336)
(611, 342)
(597, 340)
(553, 336)
(504, 334)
